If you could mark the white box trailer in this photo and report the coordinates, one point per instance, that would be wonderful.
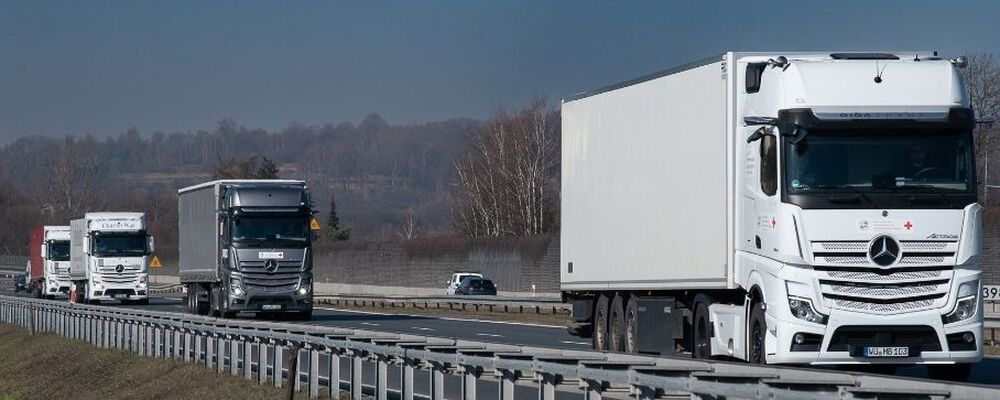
(644, 165)
(797, 208)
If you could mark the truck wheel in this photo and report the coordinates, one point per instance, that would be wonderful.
(956, 372)
(756, 349)
(701, 346)
(616, 325)
(202, 307)
(601, 323)
(632, 325)
(191, 296)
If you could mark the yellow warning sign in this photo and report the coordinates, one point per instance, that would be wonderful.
(155, 263)
(314, 224)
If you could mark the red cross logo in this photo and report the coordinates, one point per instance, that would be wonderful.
(908, 225)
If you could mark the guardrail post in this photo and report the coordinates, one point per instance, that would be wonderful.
(313, 372)
(234, 355)
(178, 342)
(356, 376)
(105, 333)
(593, 389)
(189, 352)
(406, 386)
(279, 365)
(381, 378)
(546, 386)
(295, 367)
(334, 375)
(505, 384)
(158, 341)
(470, 375)
(437, 381)
(220, 353)
(262, 349)
(209, 350)
(248, 359)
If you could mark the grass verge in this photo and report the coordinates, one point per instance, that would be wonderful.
(46, 366)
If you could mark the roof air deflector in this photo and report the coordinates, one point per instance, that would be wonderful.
(863, 56)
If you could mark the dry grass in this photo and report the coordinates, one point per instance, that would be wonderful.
(45, 366)
(991, 350)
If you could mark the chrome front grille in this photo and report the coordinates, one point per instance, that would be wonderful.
(919, 281)
(284, 279)
(129, 274)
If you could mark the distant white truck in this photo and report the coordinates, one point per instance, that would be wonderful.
(49, 271)
(791, 208)
(109, 257)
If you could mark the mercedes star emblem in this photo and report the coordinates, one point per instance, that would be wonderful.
(271, 265)
(884, 251)
(119, 268)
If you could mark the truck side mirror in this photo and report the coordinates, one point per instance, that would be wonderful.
(45, 251)
(151, 243)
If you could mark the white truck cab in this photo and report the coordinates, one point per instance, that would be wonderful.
(55, 256)
(793, 208)
(109, 257)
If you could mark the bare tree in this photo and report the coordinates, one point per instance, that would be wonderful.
(982, 79)
(410, 228)
(504, 181)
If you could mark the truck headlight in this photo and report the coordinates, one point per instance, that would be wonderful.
(305, 286)
(236, 287)
(964, 309)
(143, 281)
(803, 309)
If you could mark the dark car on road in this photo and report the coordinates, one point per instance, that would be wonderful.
(476, 286)
(20, 283)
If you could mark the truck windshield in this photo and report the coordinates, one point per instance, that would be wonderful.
(119, 245)
(270, 231)
(59, 250)
(879, 162)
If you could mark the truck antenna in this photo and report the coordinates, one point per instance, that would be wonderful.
(878, 72)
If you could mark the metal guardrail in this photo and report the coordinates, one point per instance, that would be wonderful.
(456, 303)
(268, 352)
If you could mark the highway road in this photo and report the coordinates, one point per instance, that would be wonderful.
(986, 372)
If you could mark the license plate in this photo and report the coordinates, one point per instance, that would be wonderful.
(118, 296)
(270, 307)
(887, 352)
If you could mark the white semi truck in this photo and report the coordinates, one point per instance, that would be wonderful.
(789, 208)
(49, 272)
(109, 258)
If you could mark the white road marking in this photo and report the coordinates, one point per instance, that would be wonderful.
(489, 335)
(444, 318)
(369, 323)
(576, 343)
(420, 328)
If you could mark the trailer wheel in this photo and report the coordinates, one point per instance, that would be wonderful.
(701, 345)
(190, 299)
(632, 325)
(601, 323)
(616, 324)
(201, 307)
(757, 333)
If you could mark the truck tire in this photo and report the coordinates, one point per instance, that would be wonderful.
(616, 324)
(190, 297)
(956, 372)
(632, 325)
(756, 335)
(601, 323)
(700, 342)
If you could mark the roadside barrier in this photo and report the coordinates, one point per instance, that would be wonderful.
(291, 354)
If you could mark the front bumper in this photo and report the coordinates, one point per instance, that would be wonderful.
(780, 340)
(106, 292)
(57, 286)
(284, 301)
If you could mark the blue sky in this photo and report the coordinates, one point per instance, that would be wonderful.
(102, 66)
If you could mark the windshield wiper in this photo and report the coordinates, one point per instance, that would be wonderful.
(853, 190)
(936, 190)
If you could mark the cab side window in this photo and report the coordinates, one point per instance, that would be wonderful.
(769, 165)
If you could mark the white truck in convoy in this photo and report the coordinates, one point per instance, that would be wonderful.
(109, 258)
(788, 208)
(50, 251)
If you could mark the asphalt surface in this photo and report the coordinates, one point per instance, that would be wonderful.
(985, 372)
